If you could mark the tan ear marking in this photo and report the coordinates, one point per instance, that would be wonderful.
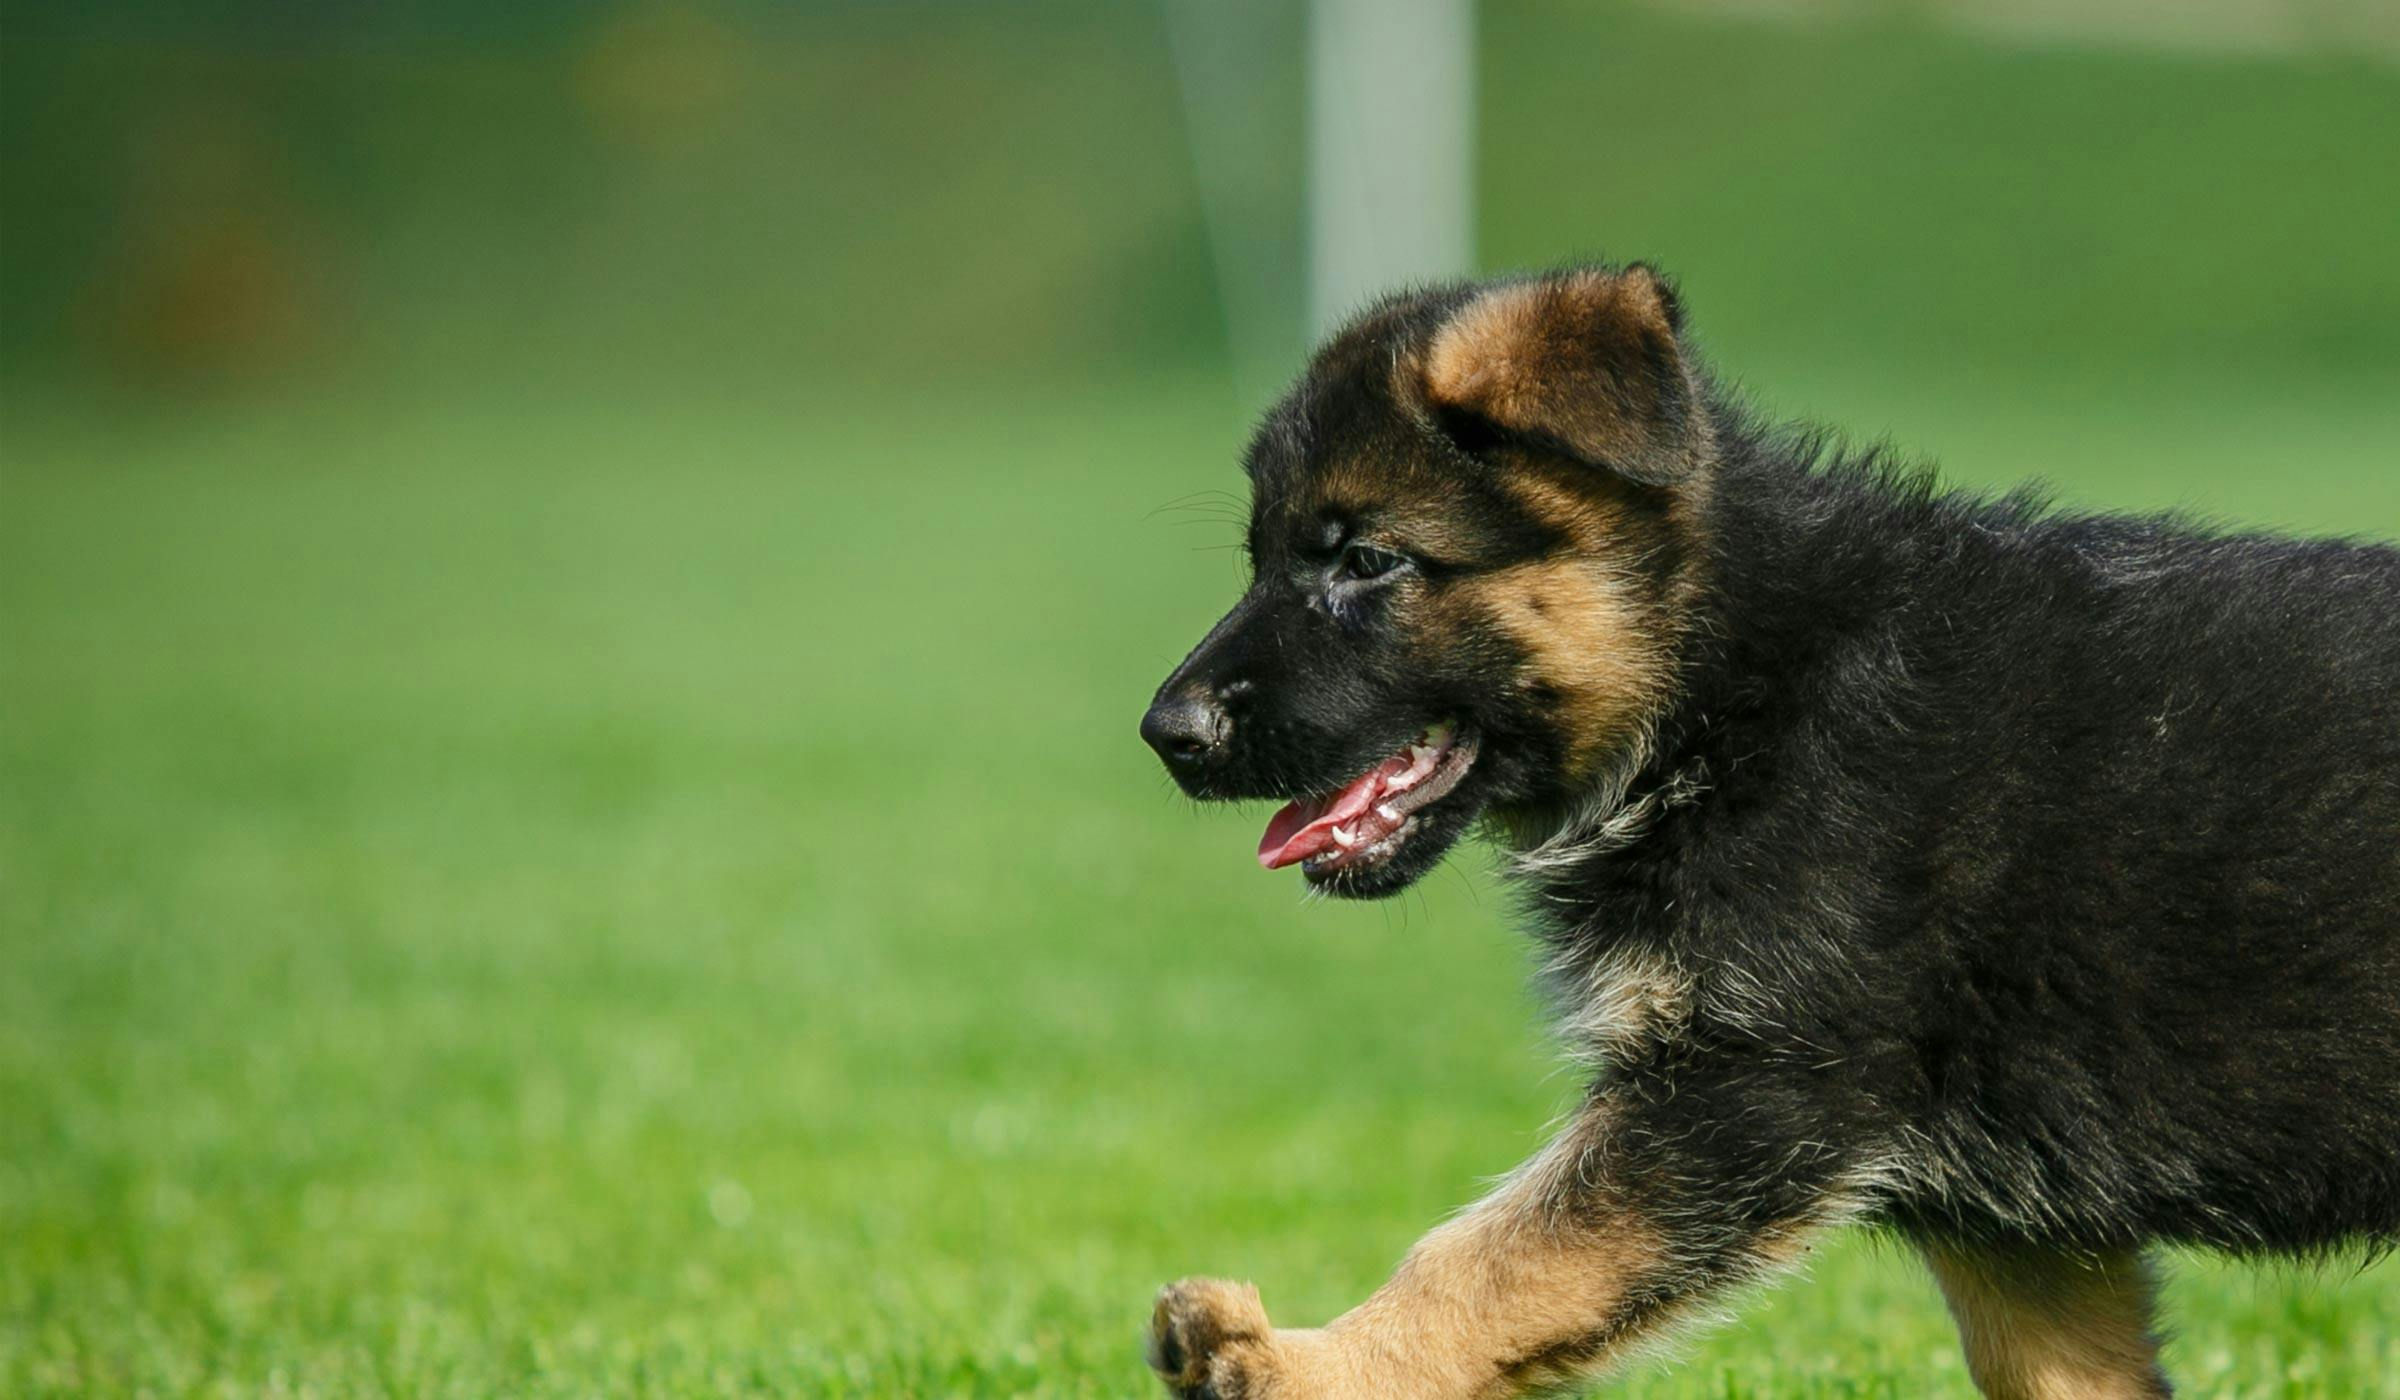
(1588, 360)
(1473, 360)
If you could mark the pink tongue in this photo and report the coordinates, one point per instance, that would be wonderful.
(1304, 828)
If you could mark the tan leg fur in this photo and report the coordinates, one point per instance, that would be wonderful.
(2052, 1326)
(1515, 1295)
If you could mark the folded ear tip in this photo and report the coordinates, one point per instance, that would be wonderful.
(1511, 328)
(1584, 357)
(1655, 286)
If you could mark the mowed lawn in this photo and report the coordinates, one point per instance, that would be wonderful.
(664, 898)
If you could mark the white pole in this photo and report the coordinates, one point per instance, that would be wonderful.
(1391, 116)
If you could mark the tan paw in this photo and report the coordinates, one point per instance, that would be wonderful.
(1210, 1340)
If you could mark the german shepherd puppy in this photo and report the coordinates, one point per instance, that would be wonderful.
(2024, 884)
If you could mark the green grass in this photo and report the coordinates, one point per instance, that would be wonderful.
(658, 893)
(666, 900)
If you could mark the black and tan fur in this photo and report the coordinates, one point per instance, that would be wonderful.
(2023, 884)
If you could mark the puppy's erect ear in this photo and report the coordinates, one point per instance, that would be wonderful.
(1586, 362)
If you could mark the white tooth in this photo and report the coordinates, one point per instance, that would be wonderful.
(1388, 812)
(1343, 838)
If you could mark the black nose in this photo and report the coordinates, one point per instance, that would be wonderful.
(1186, 729)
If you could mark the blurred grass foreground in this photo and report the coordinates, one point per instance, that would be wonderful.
(575, 585)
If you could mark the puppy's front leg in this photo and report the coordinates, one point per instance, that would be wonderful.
(1550, 1277)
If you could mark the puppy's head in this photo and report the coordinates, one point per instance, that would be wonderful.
(1471, 541)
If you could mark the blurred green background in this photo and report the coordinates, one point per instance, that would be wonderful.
(576, 580)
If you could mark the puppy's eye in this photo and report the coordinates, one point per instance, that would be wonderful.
(1365, 561)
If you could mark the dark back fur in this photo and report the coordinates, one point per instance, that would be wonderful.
(2056, 856)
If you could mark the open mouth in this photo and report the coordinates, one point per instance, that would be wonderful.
(1370, 818)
